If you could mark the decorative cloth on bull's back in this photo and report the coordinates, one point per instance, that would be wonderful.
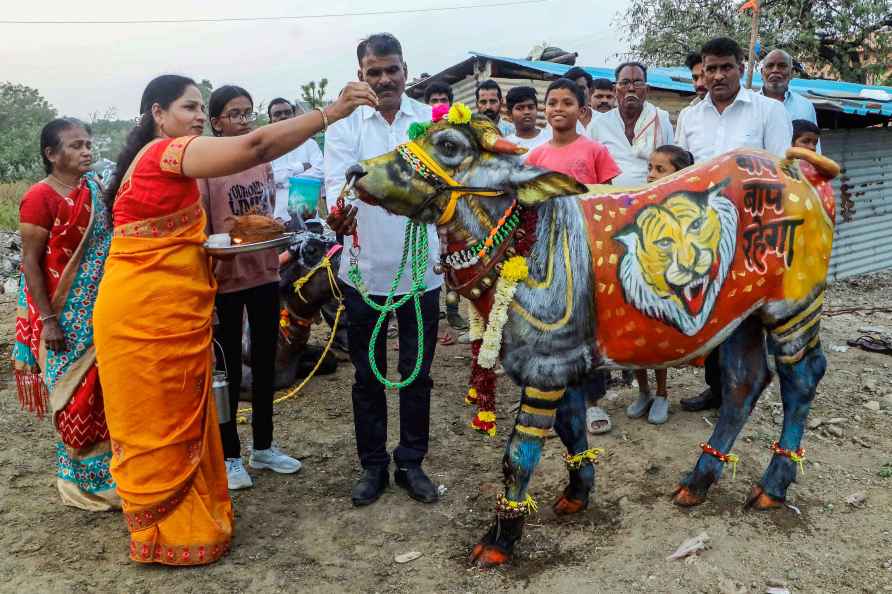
(675, 267)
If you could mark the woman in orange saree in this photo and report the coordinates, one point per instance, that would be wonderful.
(153, 319)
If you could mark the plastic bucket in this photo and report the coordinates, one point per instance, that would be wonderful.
(303, 195)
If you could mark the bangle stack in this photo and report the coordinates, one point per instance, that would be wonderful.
(324, 118)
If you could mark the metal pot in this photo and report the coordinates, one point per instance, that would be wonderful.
(220, 387)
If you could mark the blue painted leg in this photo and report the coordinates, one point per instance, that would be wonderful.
(798, 382)
(534, 421)
(570, 427)
(744, 376)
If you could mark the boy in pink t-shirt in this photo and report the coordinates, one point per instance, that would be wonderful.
(568, 152)
(590, 163)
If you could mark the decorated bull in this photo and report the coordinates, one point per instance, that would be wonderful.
(569, 279)
(305, 287)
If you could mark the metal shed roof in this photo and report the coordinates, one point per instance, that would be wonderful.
(825, 94)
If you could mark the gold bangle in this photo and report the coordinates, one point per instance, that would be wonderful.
(324, 118)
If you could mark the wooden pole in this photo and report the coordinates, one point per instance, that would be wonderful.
(754, 35)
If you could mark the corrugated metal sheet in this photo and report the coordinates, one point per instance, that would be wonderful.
(863, 244)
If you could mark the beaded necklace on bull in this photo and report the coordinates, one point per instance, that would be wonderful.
(415, 251)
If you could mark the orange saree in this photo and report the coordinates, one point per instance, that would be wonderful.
(153, 344)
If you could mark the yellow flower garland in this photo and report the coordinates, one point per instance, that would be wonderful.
(514, 271)
(458, 114)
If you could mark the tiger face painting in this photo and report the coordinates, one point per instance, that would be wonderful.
(677, 258)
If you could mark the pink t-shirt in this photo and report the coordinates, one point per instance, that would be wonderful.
(584, 159)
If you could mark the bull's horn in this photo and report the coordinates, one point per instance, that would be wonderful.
(494, 143)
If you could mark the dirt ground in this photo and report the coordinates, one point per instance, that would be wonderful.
(300, 532)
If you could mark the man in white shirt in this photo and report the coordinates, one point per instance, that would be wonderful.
(304, 161)
(694, 63)
(365, 134)
(777, 70)
(489, 104)
(634, 128)
(523, 107)
(729, 117)
(584, 81)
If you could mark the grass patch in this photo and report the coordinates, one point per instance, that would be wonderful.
(886, 470)
(10, 195)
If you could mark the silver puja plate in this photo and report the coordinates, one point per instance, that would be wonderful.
(247, 248)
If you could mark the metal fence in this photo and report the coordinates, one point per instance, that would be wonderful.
(863, 243)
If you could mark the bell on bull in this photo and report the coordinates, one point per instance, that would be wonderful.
(717, 256)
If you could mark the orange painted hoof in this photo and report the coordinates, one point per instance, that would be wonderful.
(488, 556)
(761, 500)
(565, 506)
(684, 497)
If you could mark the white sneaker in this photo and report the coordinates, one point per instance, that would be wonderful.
(236, 475)
(275, 460)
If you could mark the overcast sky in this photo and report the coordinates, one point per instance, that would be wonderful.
(81, 69)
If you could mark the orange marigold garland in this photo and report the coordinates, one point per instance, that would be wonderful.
(482, 392)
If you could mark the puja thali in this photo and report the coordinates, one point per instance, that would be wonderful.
(246, 248)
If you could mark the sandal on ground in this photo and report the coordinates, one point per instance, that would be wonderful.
(872, 344)
(639, 408)
(659, 411)
(447, 339)
(597, 421)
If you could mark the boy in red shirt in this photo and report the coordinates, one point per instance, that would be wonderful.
(590, 163)
(569, 152)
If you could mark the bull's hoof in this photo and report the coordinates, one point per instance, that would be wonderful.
(761, 500)
(566, 506)
(497, 545)
(684, 497)
(486, 556)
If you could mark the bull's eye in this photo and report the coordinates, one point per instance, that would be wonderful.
(448, 148)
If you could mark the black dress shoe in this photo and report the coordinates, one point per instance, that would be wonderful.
(704, 401)
(413, 480)
(370, 485)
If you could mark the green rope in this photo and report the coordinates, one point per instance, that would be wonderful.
(415, 250)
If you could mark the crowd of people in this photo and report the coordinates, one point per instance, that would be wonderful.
(120, 306)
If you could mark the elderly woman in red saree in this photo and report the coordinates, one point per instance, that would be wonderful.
(65, 238)
(153, 318)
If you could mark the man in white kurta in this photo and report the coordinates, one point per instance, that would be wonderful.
(634, 128)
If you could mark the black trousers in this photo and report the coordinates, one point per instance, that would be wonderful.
(262, 304)
(369, 396)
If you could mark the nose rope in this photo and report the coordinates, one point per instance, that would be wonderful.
(425, 166)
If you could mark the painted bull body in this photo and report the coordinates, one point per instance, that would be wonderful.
(721, 255)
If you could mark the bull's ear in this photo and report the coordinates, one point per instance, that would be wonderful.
(541, 185)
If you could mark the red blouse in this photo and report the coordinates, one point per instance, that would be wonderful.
(43, 206)
(156, 187)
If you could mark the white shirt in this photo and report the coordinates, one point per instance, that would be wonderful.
(596, 115)
(363, 135)
(610, 130)
(291, 165)
(505, 127)
(799, 108)
(752, 120)
(539, 139)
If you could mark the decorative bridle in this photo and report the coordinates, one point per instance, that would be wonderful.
(425, 166)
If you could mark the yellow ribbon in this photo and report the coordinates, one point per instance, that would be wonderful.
(430, 163)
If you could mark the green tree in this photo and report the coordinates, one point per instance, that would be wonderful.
(314, 94)
(23, 112)
(847, 39)
(206, 87)
(109, 134)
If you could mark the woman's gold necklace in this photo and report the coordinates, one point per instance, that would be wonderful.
(61, 183)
